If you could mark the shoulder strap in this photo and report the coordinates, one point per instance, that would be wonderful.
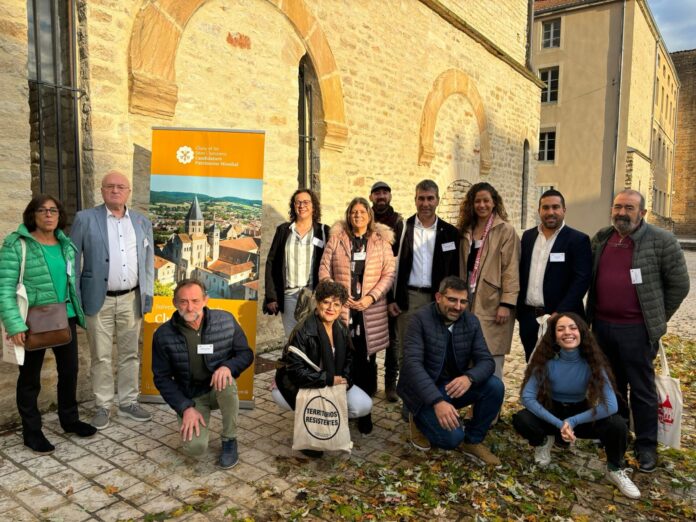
(663, 360)
(303, 356)
(24, 256)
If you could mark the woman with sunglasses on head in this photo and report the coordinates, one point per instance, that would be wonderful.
(569, 391)
(360, 257)
(325, 341)
(49, 277)
(294, 256)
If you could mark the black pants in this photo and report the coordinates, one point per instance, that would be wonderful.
(631, 355)
(391, 356)
(611, 431)
(29, 385)
(529, 329)
(364, 371)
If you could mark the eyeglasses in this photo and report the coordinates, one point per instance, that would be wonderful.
(44, 211)
(303, 202)
(120, 188)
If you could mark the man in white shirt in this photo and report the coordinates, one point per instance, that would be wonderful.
(115, 280)
(555, 269)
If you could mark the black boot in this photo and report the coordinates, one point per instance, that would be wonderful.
(38, 442)
(81, 429)
(390, 392)
(365, 424)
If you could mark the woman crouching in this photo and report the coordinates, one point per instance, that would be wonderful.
(326, 343)
(568, 389)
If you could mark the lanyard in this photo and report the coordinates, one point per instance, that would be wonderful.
(477, 263)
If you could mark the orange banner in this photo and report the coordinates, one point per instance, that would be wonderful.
(205, 206)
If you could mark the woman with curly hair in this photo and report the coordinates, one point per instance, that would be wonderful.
(489, 256)
(294, 256)
(569, 390)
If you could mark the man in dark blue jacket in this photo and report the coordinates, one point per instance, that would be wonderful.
(555, 269)
(196, 357)
(447, 366)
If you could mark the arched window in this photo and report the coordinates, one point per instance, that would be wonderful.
(310, 119)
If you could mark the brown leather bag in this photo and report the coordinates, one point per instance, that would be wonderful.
(48, 327)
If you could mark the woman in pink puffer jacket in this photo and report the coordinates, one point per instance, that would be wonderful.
(359, 256)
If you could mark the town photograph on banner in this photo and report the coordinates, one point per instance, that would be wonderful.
(205, 207)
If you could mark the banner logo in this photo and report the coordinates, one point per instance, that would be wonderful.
(184, 155)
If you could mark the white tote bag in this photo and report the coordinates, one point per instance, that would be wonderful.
(321, 416)
(669, 405)
(12, 353)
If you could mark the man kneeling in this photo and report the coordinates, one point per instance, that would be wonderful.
(196, 357)
(447, 366)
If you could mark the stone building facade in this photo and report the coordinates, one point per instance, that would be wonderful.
(347, 93)
(608, 111)
(684, 205)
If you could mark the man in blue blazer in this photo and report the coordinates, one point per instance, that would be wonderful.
(555, 269)
(115, 281)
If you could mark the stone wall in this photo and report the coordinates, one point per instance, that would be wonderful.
(394, 81)
(684, 202)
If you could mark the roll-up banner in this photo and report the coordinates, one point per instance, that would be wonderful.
(205, 208)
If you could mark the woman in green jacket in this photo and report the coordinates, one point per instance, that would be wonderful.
(49, 277)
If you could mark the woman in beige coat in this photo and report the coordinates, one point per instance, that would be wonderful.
(489, 262)
(359, 256)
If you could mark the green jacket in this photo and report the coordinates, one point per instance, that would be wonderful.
(663, 269)
(37, 278)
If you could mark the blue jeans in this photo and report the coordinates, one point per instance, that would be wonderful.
(487, 397)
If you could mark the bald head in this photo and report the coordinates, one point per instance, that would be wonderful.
(115, 189)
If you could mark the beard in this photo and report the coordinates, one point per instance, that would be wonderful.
(624, 225)
(190, 317)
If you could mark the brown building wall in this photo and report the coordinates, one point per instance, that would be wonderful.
(684, 205)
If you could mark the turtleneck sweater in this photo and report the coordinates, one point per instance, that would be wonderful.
(568, 376)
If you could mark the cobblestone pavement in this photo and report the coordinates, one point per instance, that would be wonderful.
(134, 470)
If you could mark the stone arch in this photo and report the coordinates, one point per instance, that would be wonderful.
(157, 30)
(453, 81)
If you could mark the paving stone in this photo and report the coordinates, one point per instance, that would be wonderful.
(19, 453)
(106, 447)
(18, 481)
(119, 511)
(41, 499)
(7, 466)
(9, 438)
(67, 513)
(141, 443)
(68, 481)
(19, 514)
(92, 498)
(91, 465)
(140, 493)
(67, 451)
(126, 458)
(162, 503)
(116, 478)
(46, 465)
(118, 432)
(6, 504)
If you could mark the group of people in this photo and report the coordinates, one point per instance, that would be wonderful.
(441, 300)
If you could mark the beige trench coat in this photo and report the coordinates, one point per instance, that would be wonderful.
(498, 282)
(377, 279)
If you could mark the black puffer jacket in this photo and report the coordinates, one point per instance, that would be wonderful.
(425, 348)
(170, 364)
(310, 337)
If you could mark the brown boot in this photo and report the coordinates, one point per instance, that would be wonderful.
(418, 440)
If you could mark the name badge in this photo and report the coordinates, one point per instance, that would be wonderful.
(446, 247)
(636, 276)
(146, 243)
(359, 256)
(478, 243)
(204, 349)
(68, 268)
(317, 242)
(557, 257)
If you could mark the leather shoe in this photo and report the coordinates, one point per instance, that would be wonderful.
(81, 429)
(647, 461)
(390, 393)
(312, 454)
(38, 442)
(365, 424)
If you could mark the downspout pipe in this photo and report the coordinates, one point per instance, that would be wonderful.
(618, 109)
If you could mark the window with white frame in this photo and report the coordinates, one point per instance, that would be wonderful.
(551, 33)
(549, 76)
(547, 145)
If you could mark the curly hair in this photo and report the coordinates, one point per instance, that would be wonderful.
(467, 213)
(29, 214)
(548, 349)
(370, 215)
(328, 288)
(316, 206)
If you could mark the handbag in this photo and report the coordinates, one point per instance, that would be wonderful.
(321, 416)
(305, 302)
(48, 324)
(669, 404)
(12, 352)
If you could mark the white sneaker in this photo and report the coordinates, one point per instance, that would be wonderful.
(542, 454)
(621, 480)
